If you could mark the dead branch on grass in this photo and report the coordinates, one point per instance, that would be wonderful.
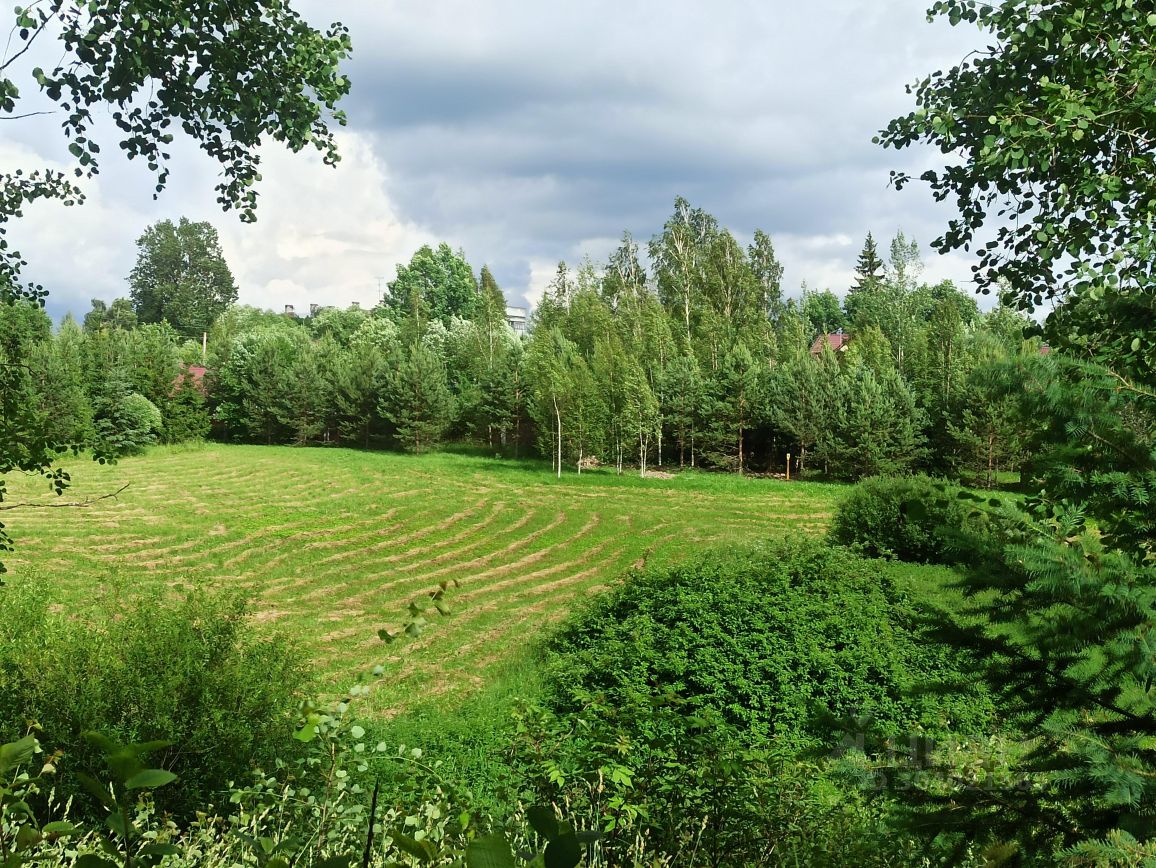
(75, 504)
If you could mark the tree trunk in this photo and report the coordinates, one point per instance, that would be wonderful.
(558, 415)
(740, 449)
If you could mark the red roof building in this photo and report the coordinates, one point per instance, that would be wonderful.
(197, 372)
(837, 341)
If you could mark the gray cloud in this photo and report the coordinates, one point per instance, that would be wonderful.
(526, 133)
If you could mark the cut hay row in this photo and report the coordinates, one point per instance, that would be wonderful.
(331, 545)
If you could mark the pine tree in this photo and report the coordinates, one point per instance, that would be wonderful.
(735, 402)
(800, 401)
(55, 370)
(355, 385)
(1063, 607)
(416, 398)
(683, 400)
(186, 412)
(874, 428)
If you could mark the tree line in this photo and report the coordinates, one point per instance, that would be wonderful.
(685, 353)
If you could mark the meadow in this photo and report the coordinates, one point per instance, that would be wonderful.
(331, 545)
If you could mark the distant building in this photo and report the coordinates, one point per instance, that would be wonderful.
(837, 341)
(290, 310)
(516, 317)
(196, 373)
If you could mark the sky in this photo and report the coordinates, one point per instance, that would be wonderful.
(528, 133)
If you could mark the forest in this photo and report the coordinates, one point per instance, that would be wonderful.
(693, 572)
(688, 354)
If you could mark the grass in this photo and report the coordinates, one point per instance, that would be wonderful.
(332, 544)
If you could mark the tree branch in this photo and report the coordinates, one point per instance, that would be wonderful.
(88, 501)
(27, 115)
(27, 43)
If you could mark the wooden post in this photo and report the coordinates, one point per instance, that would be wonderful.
(788, 467)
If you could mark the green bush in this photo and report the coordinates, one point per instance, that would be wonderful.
(125, 421)
(793, 640)
(666, 787)
(911, 518)
(190, 670)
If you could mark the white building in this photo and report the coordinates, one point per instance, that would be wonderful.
(516, 317)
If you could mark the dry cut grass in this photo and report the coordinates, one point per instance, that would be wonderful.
(333, 544)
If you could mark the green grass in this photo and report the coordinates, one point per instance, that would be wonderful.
(332, 544)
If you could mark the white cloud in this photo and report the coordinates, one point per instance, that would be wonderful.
(820, 261)
(76, 253)
(323, 235)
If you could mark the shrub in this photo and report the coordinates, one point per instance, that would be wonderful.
(910, 518)
(125, 421)
(792, 640)
(191, 671)
(669, 788)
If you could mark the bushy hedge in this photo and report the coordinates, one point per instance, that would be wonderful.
(190, 670)
(791, 640)
(912, 518)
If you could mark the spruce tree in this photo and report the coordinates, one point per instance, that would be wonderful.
(869, 267)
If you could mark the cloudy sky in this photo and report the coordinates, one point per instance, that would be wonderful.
(526, 133)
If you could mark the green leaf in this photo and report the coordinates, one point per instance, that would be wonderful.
(489, 851)
(91, 860)
(334, 862)
(308, 732)
(116, 823)
(96, 789)
(543, 821)
(150, 779)
(357, 731)
(1135, 345)
(60, 827)
(423, 851)
(17, 752)
(27, 837)
(565, 852)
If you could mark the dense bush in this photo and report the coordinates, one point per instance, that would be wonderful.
(188, 670)
(794, 640)
(666, 787)
(911, 518)
(125, 421)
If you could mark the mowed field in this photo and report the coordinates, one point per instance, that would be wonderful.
(333, 544)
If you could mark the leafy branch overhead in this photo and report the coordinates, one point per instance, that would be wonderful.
(1049, 135)
(416, 623)
(228, 75)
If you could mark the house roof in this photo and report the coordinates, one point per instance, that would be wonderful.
(837, 341)
(197, 372)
